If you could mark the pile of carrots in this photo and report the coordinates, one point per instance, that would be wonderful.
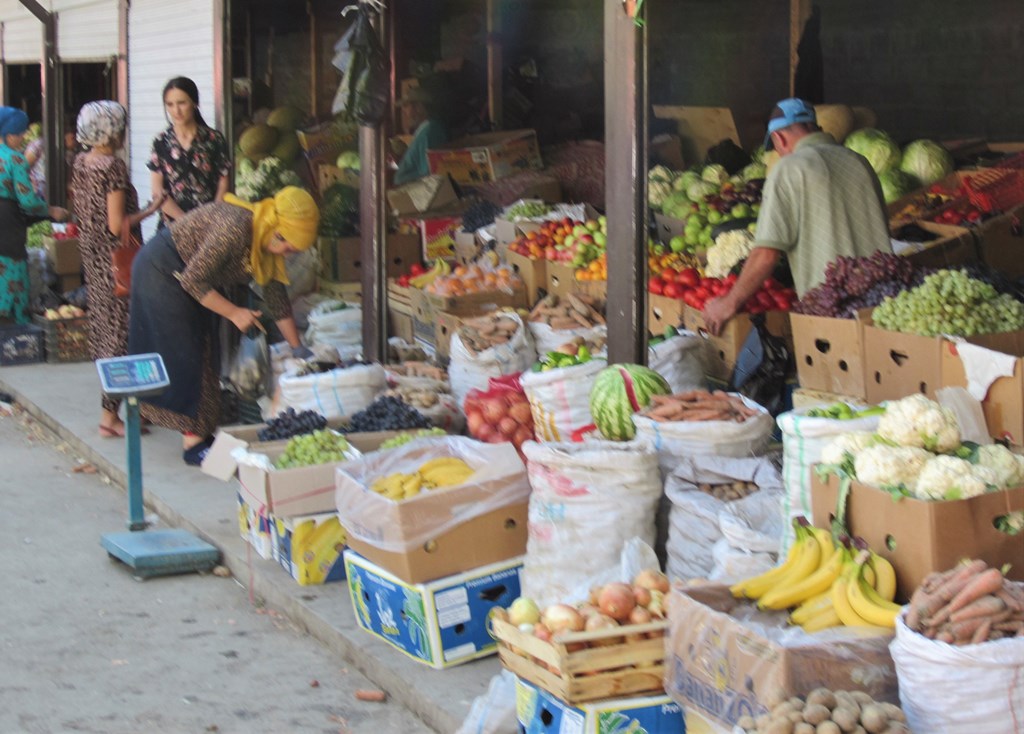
(699, 405)
(967, 605)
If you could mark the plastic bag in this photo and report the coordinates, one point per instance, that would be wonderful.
(504, 393)
(249, 375)
(721, 438)
(732, 565)
(589, 499)
(339, 325)
(762, 367)
(698, 520)
(549, 340)
(495, 711)
(499, 481)
(302, 268)
(334, 394)
(973, 689)
(364, 89)
(468, 370)
(560, 399)
(680, 361)
(803, 439)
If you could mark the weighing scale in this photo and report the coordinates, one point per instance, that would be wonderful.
(155, 552)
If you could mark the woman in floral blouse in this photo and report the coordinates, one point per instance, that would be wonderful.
(189, 160)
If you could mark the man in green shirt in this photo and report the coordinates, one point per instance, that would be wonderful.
(430, 132)
(820, 201)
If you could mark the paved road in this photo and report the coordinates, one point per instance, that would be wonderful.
(85, 648)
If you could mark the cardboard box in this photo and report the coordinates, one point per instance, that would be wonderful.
(350, 292)
(467, 247)
(327, 174)
(476, 303)
(490, 538)
(663, 312)
(442, 623)
(324, 142)
(722, 666)
(1003, 405)
(437, 235)
(64, 256)
(254, 527)
(722, 351)
(561, 278)
(1001, 242)
(806, 398)
(829, 354)
(68, 283)
(539, 711)
(400, 324)
(701, 128)
(897, 365)
(668, 227)
(918, 536)
(954, 246)
(309, 548)
(533, 272)
(344, 260)
(432, 193)
(487, 157)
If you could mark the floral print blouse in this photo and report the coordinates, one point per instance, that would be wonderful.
(190, 176)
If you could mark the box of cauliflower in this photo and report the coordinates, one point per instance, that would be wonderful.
(920, 496)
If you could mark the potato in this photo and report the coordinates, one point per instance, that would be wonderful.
(844, 699)
(894, 712)
(861, 697)
(822, 696)
(859, 730)
(827, 727)
(780, 726)
(762, 721)
(873, 719)
(797, 703)
(775, 697)
(815, 713)
(847, 719)
(796, 717)
(783, 709)
(896, 727)
(804, 728)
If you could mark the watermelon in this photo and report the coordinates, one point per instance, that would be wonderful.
(619, 391)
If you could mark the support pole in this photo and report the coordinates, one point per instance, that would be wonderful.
(123, 7)
(495, 63)
(50, 81)
(799, 12)
(625, 80)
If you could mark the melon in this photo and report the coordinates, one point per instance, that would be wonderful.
(287, 147)
(286, 118)
(257, 141)
(620, 391)
(835, 119)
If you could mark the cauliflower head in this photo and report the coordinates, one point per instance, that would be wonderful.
(1007, 466)
(952, 478)
(920, 422)
(851, 443)
(883, 465)
(730, 248)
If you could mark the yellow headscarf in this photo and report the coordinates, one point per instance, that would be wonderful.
(293, 214)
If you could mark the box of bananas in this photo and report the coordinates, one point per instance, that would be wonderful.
(827, 583)
(440, 473)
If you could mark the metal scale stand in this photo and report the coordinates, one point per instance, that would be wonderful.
(151, 553)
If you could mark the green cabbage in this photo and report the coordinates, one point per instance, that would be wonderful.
(686, 180)
(348, 159)
(897, 183)
(881, 151)
(697, 191)
(927, 160)
(715, 173)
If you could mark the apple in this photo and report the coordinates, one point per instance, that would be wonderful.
(603, 222)
(677, 243)
(580, 230)
(593, 225)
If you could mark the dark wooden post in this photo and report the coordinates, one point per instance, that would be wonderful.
(50, 72)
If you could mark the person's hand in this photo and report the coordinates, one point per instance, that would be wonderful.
(158, 201)
(245, 318)
(302, 352)
(59, 214)
(717, 313)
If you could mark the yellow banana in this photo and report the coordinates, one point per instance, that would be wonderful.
(824, 620)
(446, 267)
(824, 538)
(756, 586)
(841, 599)
(422, 281)
(812, 607)
(876, 614)
(443, 462)
(806, 564)
(411, 486)
(783, 597)
(885, 577)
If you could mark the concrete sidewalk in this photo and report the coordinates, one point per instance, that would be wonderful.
(66, 399)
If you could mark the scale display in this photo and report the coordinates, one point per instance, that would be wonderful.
(136, 374)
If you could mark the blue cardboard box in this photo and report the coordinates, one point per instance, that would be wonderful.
(254, 527)
(540, 712)
(441, 623)
(309, 547)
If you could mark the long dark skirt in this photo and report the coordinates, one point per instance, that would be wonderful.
(167, 320)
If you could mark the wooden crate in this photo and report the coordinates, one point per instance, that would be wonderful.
(613, 669)
(399, 297)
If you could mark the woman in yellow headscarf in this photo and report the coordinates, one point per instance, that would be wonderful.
(175, 298)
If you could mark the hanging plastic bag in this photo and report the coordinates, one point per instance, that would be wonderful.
(364, 89)
(762, 367)
(495, 711)
(249, 374)
(560, 399)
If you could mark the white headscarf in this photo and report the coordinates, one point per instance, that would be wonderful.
(100, 123)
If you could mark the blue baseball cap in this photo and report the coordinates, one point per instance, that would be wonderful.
(789, 112)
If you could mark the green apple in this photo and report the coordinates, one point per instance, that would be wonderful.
(600, 239)
(740, 211)
(658, 249)
(579, 230)
(677, 243)
(603, 223)
(592, 225)
(569, 240)
(714, 217)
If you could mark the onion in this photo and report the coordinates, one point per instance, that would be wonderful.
(507, 426)
(522, 435)
(523, 611)
(595, 593)
(602, 622)
(474, 421)
(639, 616)
(562, 618)
(494, 410)
(652, 579)
(657, 607)
(487, 434)
(642, 596)
(541, 632)
(617, 601)
(587, 609)
(522, 414)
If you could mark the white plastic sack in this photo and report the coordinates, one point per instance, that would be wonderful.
(335, 394)
(499, 481)
(560, 399)
(302, 268)
(341, 329)
(680, 361)
(803, 439)
(732, 565)
(549, 340)
(445, 414)
(697, 520)
(589, 500)
(701, 438)
(946, 689)
(495, 711)
(468, 371)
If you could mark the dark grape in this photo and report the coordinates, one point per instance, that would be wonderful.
(289, 423)
(387, 414)
(852, 283)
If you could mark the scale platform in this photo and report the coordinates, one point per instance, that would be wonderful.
(161, 552)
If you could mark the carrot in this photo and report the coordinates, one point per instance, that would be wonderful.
(986, 606)
(987, 582)
(363, 694)
(703, 415)
(661, 399)
(981, 634)
(932, 603)
(1013, 625)
(964, 631)
(1012, 601)
(944, 636)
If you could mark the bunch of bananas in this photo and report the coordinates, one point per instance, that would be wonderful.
(446, 471)
(441, 268)
(828, 585)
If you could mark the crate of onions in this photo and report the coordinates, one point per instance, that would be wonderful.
(610, 645)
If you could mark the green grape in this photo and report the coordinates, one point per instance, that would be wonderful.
(528, 210)
(310, 449)
(406, 436)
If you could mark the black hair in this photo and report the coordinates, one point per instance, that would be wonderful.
(189, 87)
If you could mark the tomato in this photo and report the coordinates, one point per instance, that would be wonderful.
(781, 301)
(731, 278)
(688, 277)
(403, 280)
(417, 269)
(656, 285)
(672, 290)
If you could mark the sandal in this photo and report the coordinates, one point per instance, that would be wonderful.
(108, 432)
(195, 455)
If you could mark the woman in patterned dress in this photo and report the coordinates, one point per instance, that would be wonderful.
(189, 160)
(175, 301)
(19, 207)
(105, 201)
